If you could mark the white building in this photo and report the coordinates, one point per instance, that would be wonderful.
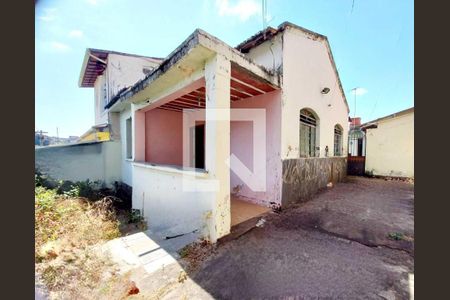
(278, 92)
(390, 145)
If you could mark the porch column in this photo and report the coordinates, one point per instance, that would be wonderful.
(138, 133)
(217, 141)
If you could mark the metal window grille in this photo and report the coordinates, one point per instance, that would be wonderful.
(105, 95)
(356, 142)
(308, 126)
(337, 141)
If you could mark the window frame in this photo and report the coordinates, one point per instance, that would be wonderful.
(308, 123)
(129, 138)
(338, 140)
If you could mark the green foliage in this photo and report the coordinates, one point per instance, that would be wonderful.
(44, 180)
(369, 173)
(86, 189)
(44, 198)
(71, 220)
(135, 216)
(397, 236)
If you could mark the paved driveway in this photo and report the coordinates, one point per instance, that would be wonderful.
(336, 246)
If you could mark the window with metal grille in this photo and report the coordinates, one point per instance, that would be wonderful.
(104, 93)
(338, 140)
(308, 127)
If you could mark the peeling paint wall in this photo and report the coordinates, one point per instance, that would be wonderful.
(242, 147)
(217, 140)
(268, 54)
(303, 177)
(307, 69)
(121, 71)
(168, 209)
(79, 162)
(390, 147)
(101, 115)
(124, 70)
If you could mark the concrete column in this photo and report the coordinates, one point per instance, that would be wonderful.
(217, 141)
(138, 133)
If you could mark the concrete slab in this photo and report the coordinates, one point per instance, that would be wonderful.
(242, 211)
(148, 250)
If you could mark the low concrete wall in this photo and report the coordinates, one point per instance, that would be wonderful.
(169, 210)
(303, 177)
(79, 162)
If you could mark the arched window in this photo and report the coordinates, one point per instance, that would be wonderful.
(338, 140)
(308, 133)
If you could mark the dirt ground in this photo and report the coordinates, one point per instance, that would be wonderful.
(336, 246)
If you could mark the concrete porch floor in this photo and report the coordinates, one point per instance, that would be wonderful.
(242, 210)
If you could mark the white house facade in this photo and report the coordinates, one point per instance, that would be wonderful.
(189, 125)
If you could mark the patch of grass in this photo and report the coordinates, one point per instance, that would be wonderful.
(68, 231)
(75, 221)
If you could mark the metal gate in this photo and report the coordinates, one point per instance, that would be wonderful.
(356, 161)
(356, 165)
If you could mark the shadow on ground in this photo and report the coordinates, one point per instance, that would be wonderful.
(335, 246)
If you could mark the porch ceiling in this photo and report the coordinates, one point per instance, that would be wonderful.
(242, 85)
(185, 65)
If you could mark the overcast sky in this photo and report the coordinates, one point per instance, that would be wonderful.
(372, 43)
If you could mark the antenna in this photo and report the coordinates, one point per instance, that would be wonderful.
(354, 93)
(264, 13)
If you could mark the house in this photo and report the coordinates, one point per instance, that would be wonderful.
(390, 145)
(109, 72)
(212, 125)
(96, 133)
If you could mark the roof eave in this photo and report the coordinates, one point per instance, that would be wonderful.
(391, 116)
(282, 27)
(197, 38)
(83, 67)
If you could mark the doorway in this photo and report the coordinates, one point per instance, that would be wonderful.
(199, 146)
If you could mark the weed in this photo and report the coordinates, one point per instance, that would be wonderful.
(71, 221)
(397, 236)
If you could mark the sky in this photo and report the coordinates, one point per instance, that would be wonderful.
(372, 44)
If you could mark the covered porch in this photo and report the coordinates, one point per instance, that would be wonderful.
(184, 132)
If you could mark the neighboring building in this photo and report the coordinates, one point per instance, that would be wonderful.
(99, 133)
(72, 139)
(390, 145)
(110, 72)
(287, 72)
(42, 140)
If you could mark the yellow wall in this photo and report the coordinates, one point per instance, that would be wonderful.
(96, 136)
(390, 147)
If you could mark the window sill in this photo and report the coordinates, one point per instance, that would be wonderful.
(172, 169)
